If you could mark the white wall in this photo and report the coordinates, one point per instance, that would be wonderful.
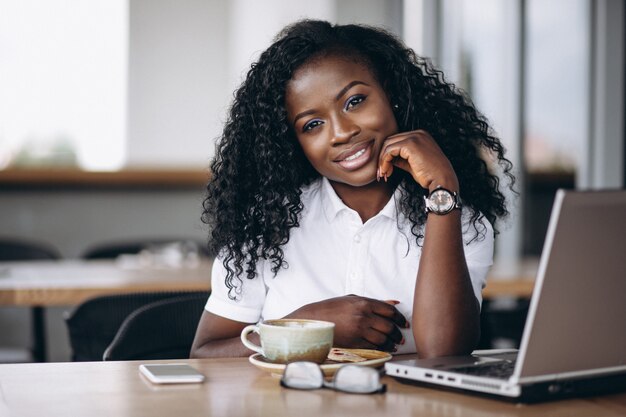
(74, 220)
(176, 89)
(254, 24)
(187, 57)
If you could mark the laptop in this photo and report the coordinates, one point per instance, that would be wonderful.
(574, 339)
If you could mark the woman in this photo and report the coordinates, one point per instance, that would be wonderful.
(335, 196)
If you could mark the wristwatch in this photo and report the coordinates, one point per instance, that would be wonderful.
(442, 201)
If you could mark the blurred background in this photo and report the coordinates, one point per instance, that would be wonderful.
(109, 109)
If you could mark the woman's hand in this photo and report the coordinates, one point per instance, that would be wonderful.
(359, 322)
(417, 153)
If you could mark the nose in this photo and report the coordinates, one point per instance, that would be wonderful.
(343, 129)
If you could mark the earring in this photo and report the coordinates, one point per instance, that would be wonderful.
(395, 106)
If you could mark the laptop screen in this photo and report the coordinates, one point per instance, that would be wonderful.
(577, 315)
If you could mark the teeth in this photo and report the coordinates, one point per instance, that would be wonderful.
(355, 156)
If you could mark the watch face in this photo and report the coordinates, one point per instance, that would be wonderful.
(441, 201)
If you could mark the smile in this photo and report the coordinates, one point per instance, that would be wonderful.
(356, 158)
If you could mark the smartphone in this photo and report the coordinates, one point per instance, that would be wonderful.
(171, 373)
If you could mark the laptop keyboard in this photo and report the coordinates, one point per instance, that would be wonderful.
(500, 370)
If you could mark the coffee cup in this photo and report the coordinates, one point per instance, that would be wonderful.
(291, 340)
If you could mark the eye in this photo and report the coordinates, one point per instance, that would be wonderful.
(311, 125)
(354, 101)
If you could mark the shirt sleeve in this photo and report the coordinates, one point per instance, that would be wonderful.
(478, 252)
(248, 303)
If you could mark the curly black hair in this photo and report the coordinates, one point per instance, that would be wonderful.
(253, 197)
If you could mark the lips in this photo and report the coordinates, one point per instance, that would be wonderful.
(356, 157)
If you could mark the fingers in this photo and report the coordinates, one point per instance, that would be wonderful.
(388, 329)
(382, 340)
(362, 322)
(385, 168)
(378, 341)
(373, 339)
(395, 153)
(388, 310)
(384, 325)
(417, 153)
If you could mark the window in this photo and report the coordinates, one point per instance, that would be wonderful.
(556, 107)
(557, 85)
(526, 66)
(63, 83)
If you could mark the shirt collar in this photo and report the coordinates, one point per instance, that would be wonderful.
(333, 205)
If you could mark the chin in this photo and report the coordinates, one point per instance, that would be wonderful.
(355, 180)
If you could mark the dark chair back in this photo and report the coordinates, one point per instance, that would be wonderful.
(502, 324)
(163, 329)
(25, 250)
(111, 250)
(94, 323)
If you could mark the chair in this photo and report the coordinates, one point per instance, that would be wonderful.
(25, 250)
(111, 250)
(161, 330)
(94, 323)
(28, 250)
(502, 323)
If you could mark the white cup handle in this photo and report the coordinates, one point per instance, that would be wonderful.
(244, 338)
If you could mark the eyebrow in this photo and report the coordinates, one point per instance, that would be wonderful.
(337, 97)
(347, 87)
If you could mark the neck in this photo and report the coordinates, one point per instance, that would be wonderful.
(367, 200)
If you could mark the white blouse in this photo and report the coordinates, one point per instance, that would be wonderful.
(333, 253)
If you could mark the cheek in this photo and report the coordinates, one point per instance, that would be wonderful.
(311, 149)
(383, 121)
(391, 122)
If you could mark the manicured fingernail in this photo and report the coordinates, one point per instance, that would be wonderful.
(407, 325)
(378, 174)
(402, 341)
(385, 177)
(393, 302)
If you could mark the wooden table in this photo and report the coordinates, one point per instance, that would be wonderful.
(235, 388)
(70, 282)
(515, 279)
(40, 284)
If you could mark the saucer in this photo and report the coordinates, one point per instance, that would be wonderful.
(375, 359)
